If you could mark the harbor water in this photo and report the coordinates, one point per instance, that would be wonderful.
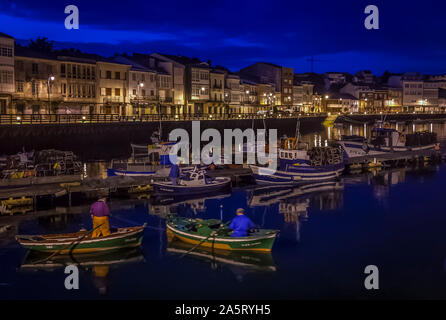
(391, 218)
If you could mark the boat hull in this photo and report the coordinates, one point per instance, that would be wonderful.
(124, 238)
(161, 188)
(359, 149)
(297, 175)
(250, 243)
(116, 172)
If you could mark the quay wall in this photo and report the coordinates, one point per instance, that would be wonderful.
(105, 141)
(391, 117)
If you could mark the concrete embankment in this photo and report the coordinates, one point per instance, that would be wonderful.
(391, 117)
(112, 140)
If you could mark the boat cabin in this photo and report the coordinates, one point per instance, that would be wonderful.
(386, 137)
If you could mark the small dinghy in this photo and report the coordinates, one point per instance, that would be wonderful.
(194, 182)
(82, 242)
(212, 233)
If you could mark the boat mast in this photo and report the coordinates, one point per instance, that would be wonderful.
(297, 134)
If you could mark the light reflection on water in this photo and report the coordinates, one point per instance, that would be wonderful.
(378, 217)
(393, 218)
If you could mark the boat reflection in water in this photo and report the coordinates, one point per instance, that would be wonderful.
(164, 206)
(294, 202)
(239, 262)
(98, 264)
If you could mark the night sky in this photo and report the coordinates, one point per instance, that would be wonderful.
(237, 33)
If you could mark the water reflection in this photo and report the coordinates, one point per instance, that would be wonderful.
(293, 203)
(164, 206)
(239, 262)
(97, 265)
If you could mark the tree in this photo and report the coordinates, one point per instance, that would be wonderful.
(41, 45)
(385, 76)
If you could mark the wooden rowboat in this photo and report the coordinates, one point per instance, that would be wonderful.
(212, 233)
(82, 242)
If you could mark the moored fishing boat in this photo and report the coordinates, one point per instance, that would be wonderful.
(146, 160)
(212, 233)
(82, 242)
(193, 182)
(297, 163)
(386, 140)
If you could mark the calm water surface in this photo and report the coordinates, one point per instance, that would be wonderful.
(394, 219)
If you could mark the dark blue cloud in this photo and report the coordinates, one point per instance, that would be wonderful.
(236, 33)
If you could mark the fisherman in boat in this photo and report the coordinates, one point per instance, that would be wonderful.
(241, 224)
(99, 213)
(174, 173)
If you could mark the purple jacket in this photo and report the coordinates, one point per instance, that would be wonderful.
(99, 209)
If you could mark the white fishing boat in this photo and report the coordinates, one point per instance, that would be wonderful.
(385, 140)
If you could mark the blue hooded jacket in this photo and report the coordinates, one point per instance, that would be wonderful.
(241, 224)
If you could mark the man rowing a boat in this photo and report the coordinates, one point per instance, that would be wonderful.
(99, 213)
(241, 224)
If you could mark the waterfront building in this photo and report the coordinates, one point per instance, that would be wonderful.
(412, 84)
(395, 99)
(303, 96)
(341, 103)
(169, 65)
(113, 87)
(267, 96)
(54, 85)
(6, 73)
(232, 92)
(249, 94)
(216, 105)
(142, 88)
(196, 79)
(281, 77)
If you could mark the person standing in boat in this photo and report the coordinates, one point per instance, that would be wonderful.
(174, 173)
(241, 224)
(99, 213)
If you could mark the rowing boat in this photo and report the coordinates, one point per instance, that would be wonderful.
(212, 233)
(82, 241)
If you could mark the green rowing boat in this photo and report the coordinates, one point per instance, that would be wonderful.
(82, 242)
(213, 234)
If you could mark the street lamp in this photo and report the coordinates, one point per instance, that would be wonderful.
(50, 80)
(139, 86)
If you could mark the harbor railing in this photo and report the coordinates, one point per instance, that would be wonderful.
(17, 119)
(9, 119)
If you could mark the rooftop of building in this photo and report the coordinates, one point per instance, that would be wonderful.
(338, 95)
(4, 35)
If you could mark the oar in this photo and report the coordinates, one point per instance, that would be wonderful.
(67, 246)
(213, 233)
